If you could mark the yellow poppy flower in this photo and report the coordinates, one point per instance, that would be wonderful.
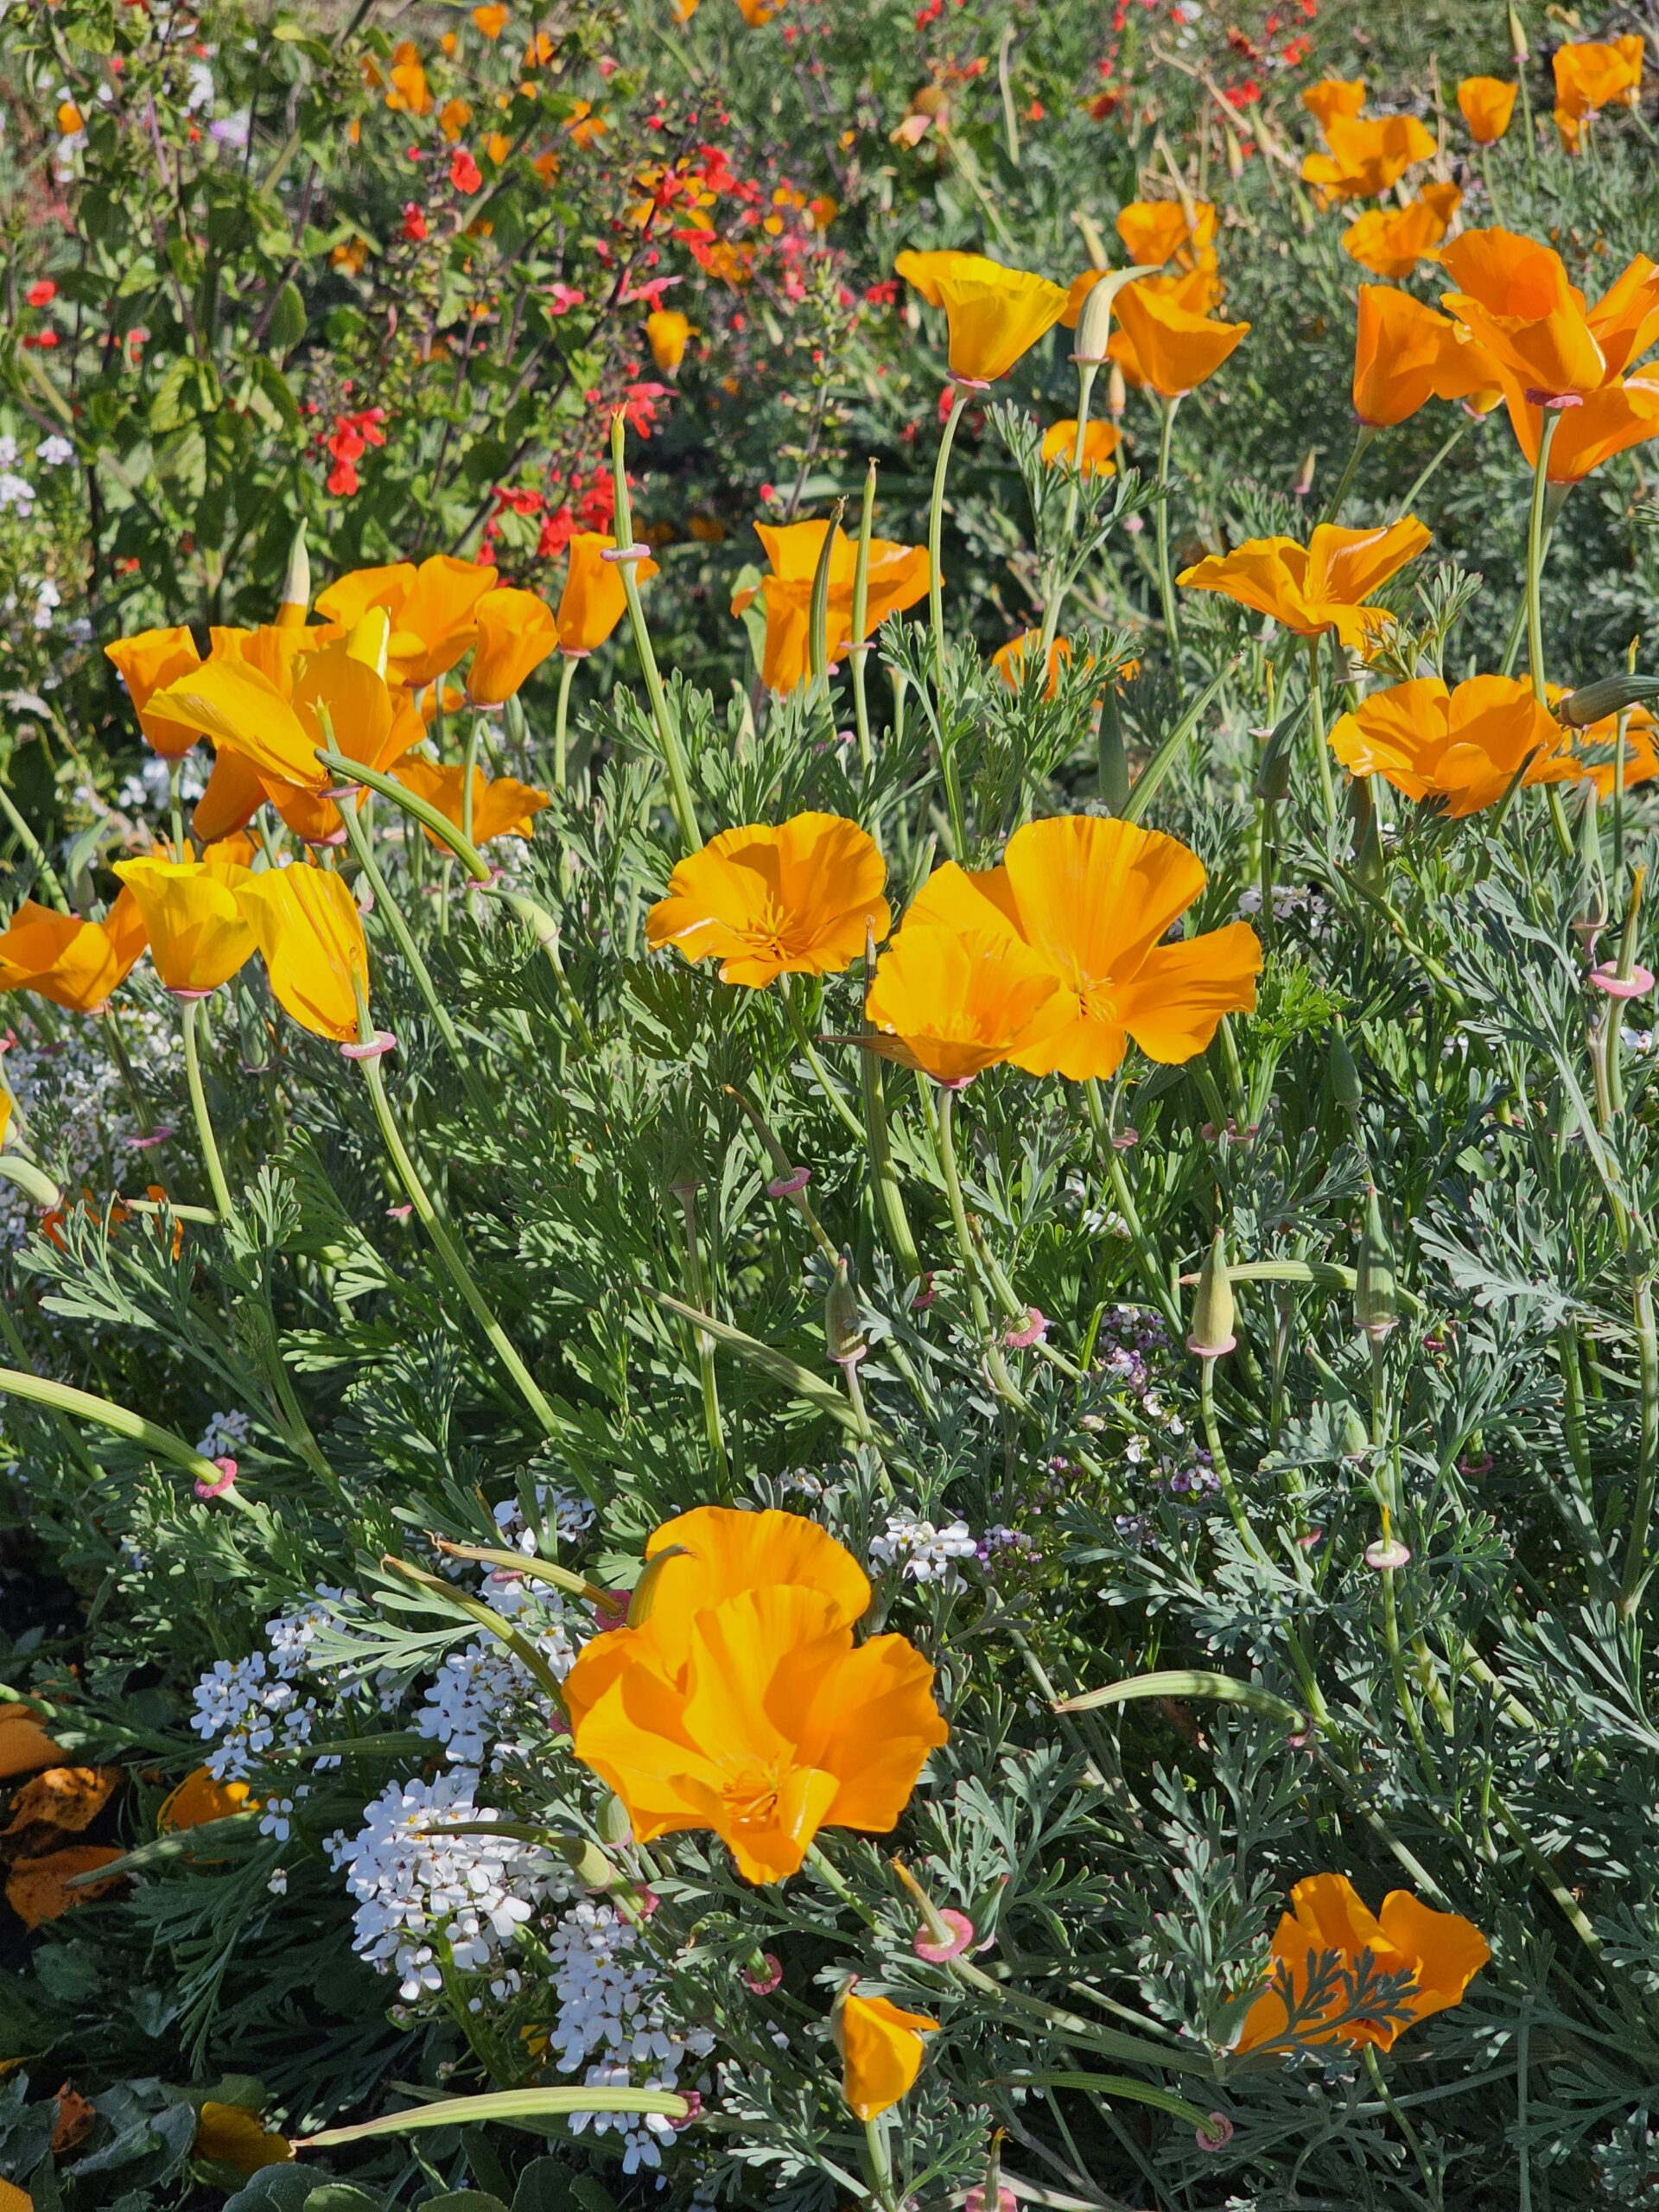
(307, 925)
(1461, 746)
(1320, 585)
(793, 900)
(995, 315)
(668, 333)
(432, 611)
(74, 964)
(593, 599)
(517, 631)
(502, 807)
(954, 1002)
(148, 663)
(198, 938)
(881, 2051)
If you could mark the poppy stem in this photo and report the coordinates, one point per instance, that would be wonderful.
(1055, 599)
(1635, 1571)
(1535, 549)
(1440, 455)
(854, 1127)
(81, 1405)
(679, 780)
(1321, 749)
(941, 1128)
(859, 643)
(561, 719)
(175, 801)
(880, 2163)
(129, 1080)
(194, 1016)
(468, 769)
(698, 1289)
(1367, 432)
(1166, 580)
(936, 531)
(449, 1252)
(32, 845)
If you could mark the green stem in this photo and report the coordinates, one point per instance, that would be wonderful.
(1165, 580)
(175, 804)
(468, 765)
(884, 1181)
(1536, 554)
(1321, 749)
(1630, 1588)
(1440, 455)
(1055, 598)
(194, 1016)
(450, 1253)
(81, 1405)
(859, 645)
(831, 1091)
(936, 530)
(1367, 432)
(562, 718)
(679, 779)
(686, 1193)
(32, 845)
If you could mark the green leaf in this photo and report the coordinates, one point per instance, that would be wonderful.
(463, 2200)
(174, 403)
(287, 325)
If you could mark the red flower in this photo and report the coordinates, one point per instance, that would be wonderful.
(41, 291)
(562, 298)
(464, 172)
(44, 339)
(521, 499)
(414, 223)
(639, 404)
(342, 479)
(557, 531)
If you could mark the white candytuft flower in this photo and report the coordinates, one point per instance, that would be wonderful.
(477, 1702)
(924, 1552)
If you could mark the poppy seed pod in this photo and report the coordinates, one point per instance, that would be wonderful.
(1212, 1333)
(1611, 695)
(843, 1328)
(1518, 46)
(1344, 1075)
(1377, 1301)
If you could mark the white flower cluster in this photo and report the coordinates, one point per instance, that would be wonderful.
(483, 1696)
(922, 1552)
(246, 1710)
(1288, 900)
(149, 788)
(612, 2020)
(15, 491)
(425, 1894)
(225, 1435)
(81, 1116)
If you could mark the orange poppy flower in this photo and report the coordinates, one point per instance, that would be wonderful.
(1590, 76)
(1461, 746)
(1195, 293)
(1323, 585)
(595, 598)
(794, 900)
(738, 1702)
(1174, 349)
(25, 1747)
(1442, 1951)
(1405, 354)
(1009, 660)
(668, 333)
(74, 964)
(1486, 104)
(995, 315)
(148, 663)
(1336, 99)
(197, 1800)
(1513, 295)
(502, 807)
(898, 579)
(1366, 155)
(881, 2051)
(1621, 415)
(1100, 441)
(1157, 231)
(1092, 898)
(229, 2135)
(432, 611)
(307, 925)
(198, 938)
(1391, 241)
(922, 271)
(955, 1002)
(517, 631)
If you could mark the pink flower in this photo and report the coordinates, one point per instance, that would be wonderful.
(562, 297)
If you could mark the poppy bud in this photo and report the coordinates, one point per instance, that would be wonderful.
(1273, 776)
(1235, 156)
(843, 1331)
(1117, 393)
(1370, 867)
(1095, 317)
(1518, 46)
(1611, 695)
(1344, 1075)
(296, 601)
(35, 1185)
(613, 1823)
(1212, 1308)
(645, 1591)
(1356, 1437)
(1377, 1302)
(1304, 483)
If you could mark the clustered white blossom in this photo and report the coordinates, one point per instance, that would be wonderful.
(923, 1552)
(1288, 900)
(81, 1122)
(612, 2020)
(425, 1893)
(15, 492)
(483, 1696)
(249, 1708)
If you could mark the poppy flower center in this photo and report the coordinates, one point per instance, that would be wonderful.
(750, 1795)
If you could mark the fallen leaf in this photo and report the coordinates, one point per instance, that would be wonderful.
(37, 1891)
(62, 1801)
(13, 2199)
(24, 1745)
(75, 2119)
(236, 2138)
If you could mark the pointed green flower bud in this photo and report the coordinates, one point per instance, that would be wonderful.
(296, 601)
(1344, 1075)
(1212, 1333)
(1377, 1300)
(843, 1328)
(1610, 694)
(1095, 321)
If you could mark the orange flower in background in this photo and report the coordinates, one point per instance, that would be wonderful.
(954, 1003)
(25, 1747)
(410, 89)
(898, 579)
(794, 900)
(38, 1889)
(1100, 441)
(1157, 231)
(198, 938)
(1336, 99)
(1406, 354)
(1366, 156)
(74, 964)
(995, 315)
(1009, 660)
(757, 14)
(1461, 746)
(1174, 349)
(230, 2135)
(502, 807)
(1391, 241)
(1323, 585)
(490, 20)
(1486, 104)
(1092, 898)
(197, 1800)
(595, 598)
(516, 632)
(1595, 749)
(432, 611)
(739, 1704)
(307, 925)
(147, 664)
(667, 332)
(1621, 415)
(881, 2051)
(1513, 295)
(1328, 1921)
(1590, 76)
